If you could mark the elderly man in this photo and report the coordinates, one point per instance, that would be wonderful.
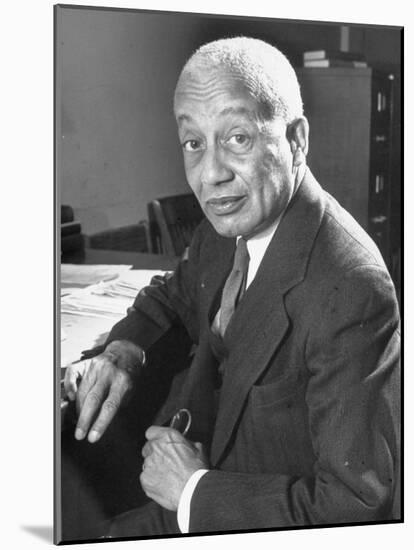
(293, 389)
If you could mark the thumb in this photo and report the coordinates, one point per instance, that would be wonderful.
(71, 376)
(74, 371)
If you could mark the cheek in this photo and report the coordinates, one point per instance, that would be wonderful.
(275, 170)
(270, 183)
(266, 175)
(275, 159)
(192, 178)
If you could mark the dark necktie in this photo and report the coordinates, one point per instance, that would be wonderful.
(235, 285)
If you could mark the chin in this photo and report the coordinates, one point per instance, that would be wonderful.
(229, 229)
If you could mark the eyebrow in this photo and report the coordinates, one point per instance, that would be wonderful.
(182, 118)
(225, 111)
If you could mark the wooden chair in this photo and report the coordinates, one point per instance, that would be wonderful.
(172, 221)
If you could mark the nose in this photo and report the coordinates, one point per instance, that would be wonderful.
(215, 170)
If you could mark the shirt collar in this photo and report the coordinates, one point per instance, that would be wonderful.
(257, 247)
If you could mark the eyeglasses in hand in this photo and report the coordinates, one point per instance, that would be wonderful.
(181, 421)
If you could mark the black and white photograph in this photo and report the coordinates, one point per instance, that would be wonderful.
(228, 207)
(205, 228)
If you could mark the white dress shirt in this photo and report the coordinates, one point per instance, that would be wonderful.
(257, 247)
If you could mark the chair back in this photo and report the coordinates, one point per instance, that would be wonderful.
(128, 238)
(172, 222)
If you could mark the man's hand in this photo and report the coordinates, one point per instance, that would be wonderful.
(106, 379)
(170, 461)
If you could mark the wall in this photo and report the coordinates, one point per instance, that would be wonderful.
(116, 136)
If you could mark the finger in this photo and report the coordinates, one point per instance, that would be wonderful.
(158, 432)
(145, 476)
(110, 407)
(146, 479)
(146, 449)
(74, 371)
(70, 381)
(199, 446)
(89, 409)
(87, 382)
(143, 481)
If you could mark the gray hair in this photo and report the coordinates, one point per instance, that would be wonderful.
(265, 70)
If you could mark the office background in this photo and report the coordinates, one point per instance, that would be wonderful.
(28, 33)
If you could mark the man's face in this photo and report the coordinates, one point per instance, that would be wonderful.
(239, 167)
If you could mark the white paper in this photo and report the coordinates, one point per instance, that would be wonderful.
(88, 314)
(83, 275)
(83, 333)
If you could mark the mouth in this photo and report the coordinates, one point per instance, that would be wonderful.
(222, 206)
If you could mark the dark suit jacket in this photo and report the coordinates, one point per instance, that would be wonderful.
(307, 424)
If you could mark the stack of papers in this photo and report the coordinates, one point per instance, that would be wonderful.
(107, 299)
(88, 314)
(75, 276)
(129, 283)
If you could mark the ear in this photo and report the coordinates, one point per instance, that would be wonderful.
(298, 137)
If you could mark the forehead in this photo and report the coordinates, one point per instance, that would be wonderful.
(213, 92)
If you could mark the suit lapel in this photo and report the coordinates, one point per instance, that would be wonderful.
(260, 322)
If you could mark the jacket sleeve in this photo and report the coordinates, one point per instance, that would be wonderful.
(168, 300)
(352, 398)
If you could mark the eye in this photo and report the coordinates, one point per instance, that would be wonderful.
(238, 140)
(191, 145)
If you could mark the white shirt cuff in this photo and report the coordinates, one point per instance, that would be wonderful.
(183, 511)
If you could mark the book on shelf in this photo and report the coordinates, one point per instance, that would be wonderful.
(335, 63)
(332, 54)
